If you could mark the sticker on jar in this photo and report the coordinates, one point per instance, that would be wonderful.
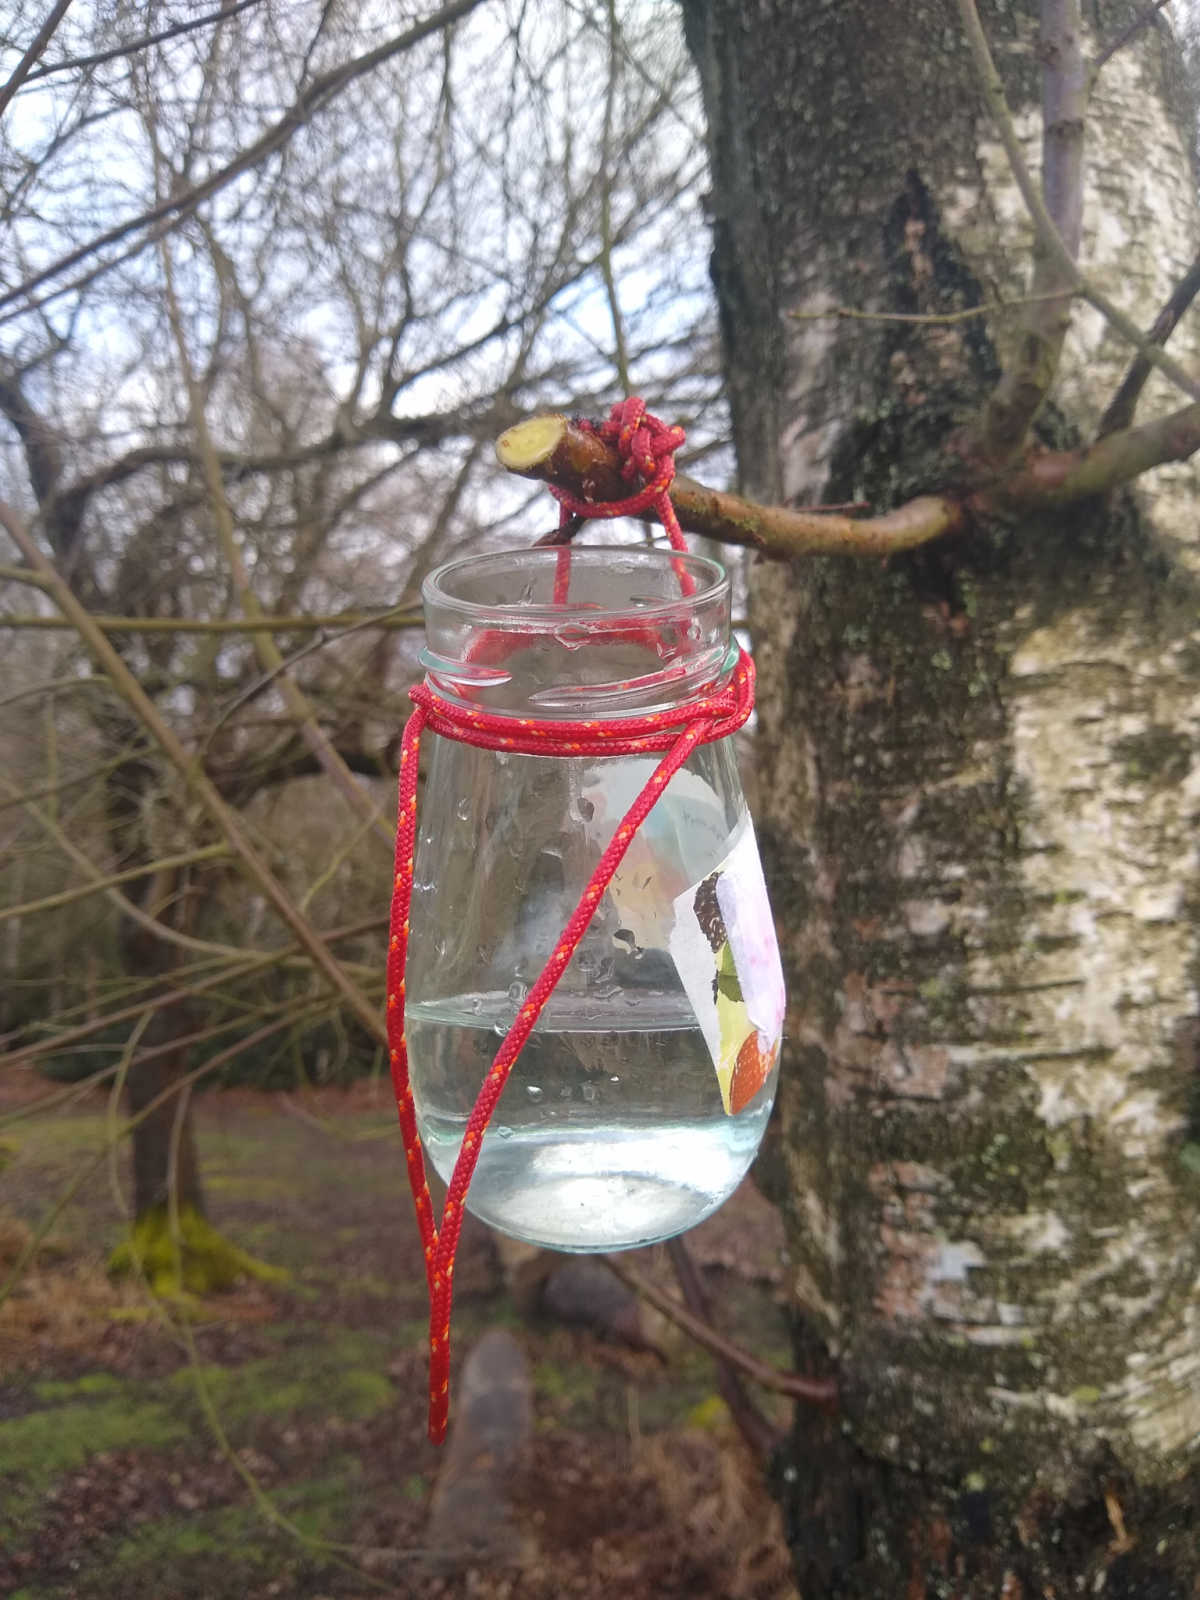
(724, 949)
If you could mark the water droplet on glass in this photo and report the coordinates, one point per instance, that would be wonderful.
(615, 1078)
(503, 1132)
(463, 810)
(476, 1004)
(589, 1092)
(534, 1091)
(517, 992)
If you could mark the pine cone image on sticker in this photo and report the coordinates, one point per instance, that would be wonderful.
(708, 913)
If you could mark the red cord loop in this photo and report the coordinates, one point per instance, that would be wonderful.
(647, 448)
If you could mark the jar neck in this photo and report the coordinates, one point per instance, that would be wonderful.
(607, 633)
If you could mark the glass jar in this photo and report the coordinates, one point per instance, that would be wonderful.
(641, 1097)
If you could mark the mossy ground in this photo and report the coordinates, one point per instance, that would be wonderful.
(114, 1484)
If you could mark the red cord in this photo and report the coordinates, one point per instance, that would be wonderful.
(647, 446)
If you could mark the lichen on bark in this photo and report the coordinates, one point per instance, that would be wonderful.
(979, 795)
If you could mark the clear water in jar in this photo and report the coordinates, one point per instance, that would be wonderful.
(611, 1131)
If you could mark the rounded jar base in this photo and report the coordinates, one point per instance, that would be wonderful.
(589, 1191)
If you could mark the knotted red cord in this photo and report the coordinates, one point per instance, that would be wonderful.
(647, 447)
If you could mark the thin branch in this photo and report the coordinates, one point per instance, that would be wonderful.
(27, 62)
(315, 622)
(319, 94)
(1123, 405)
(66, 897)
(993, 92)
(268, 652)
(621, 354)
(9, 574)
(201, 786)
(759, 1432)
(223, 978)
(931, 318)
(1124, 37)
(1061, 477)
(153, 925)
(145, 41)
(1057, 212)
(556, 450)
(819, 1391)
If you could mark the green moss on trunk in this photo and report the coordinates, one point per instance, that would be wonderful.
(198, 1260)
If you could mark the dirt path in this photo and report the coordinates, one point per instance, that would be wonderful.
(113, 1482)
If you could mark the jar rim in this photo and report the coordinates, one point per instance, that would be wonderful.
(710, 582)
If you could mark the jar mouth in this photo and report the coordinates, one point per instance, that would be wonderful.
(603, 631)
(461, 585)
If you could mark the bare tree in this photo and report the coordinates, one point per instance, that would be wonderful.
(249, 360)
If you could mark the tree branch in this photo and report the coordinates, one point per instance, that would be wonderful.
(200, 785)
(1123, 38)
(144, 41)
(1059, 477)
(555, 450)
(320, 93)
(316, 622)
(66, 897)
(1024, 386)
(1047, 234)
(268, 652)
(756, 1428)
(992, 308)
(1123, 405)
(818, 1391)
(23, 67)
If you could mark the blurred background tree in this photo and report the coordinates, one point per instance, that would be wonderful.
(276, 276)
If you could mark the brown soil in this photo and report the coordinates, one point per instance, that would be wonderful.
(274, 1444)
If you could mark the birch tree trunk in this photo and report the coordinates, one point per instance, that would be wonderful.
(979, 797)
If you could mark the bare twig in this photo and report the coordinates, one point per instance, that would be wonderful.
(991, 308)
(201, 786)
(1123, 405)
(1123, 38)
(66, 897)
(145, 41)
(819, 1391)
(757, 1429)
(397, 618)
(222, 978)
(1048, 235)
(269, 654)
(1061, 477)
(320, 93)
(555, 450)
(29, 60)
(1057, 210)
(621, 354)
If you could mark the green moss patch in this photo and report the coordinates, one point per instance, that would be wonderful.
(196, 1260)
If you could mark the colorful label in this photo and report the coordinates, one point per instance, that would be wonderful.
(724, 949)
